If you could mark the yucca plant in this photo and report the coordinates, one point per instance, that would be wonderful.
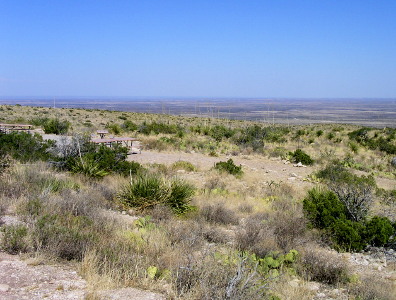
(148, 190)
(88, 168)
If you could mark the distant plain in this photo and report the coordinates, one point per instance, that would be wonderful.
(365, 112)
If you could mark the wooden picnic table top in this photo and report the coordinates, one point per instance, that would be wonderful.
(15, 125)
(116, 139)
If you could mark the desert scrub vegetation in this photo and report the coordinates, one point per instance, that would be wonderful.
(326, 212)
(233, 238)
(24, 146)
(299, 156)
(149, 190)
(229, 167)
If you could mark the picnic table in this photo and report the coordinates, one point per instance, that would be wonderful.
(6, 128)
(125, 141)
(102, 133)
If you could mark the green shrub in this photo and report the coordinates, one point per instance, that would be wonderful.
(323, 208)
(65, 236)
(183, 165)
(102, 161)
(86, 167)
(114, 128)
(325, 211)
(149, 190)
(378, 231)
(355, 192)
(129, 126)
(24, 146)
(254, 136)
(229, 167)
(56, 126)
(218, 132)
(180, 194)
(40, 121)
(348, 235)
(14, 239)
(302, 157)
(158, 128)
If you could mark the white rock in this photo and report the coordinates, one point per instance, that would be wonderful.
(4, 287)
(313, 286)
(294, 283)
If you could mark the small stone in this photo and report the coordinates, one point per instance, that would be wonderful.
(294, 283)
(4, 287)
(293, 175)
(123, 212)
(313, 286)
(321, 295)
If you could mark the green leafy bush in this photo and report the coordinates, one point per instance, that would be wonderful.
(326, 212)
(24, 146)
(255, 136)
(302, 157)
(56, 126)
(219, 132)
(149, 190)
(158, 128)
(114, 128)
(323, 208)
(103, 161)
(229, 167)
(355, 192)
(129, 126)
(379, 231)
(14, 239)
(183, 165)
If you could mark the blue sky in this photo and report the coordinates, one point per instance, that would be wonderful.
(282, 48)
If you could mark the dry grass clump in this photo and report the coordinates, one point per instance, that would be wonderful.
(322, 265)
(373, 288)
(215, 181)
(154, 143)
(255, 235)
(183, 165)
(214, 278)
(245, 208)
(288, 223)
(218, 214)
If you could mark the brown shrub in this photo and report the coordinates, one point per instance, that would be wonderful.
(188, 234)
(323, 266)
(215, 181)
(245, 208)
(218, 214)
(289, 224)
(210, 278)
(256, 235)
(372, 288)
(161, 213)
